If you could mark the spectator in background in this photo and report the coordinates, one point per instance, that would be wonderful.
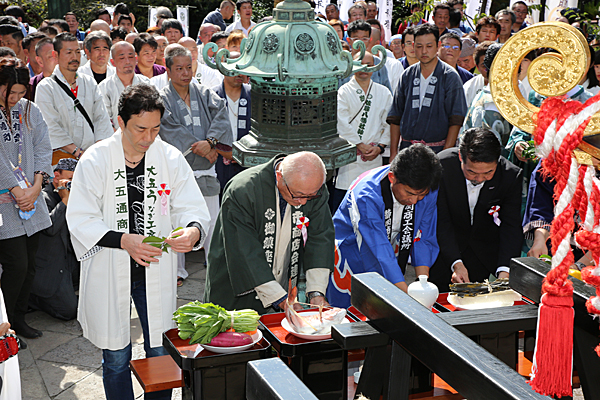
(71, 19)
(414, 8)
(218, 16)
(203, 74)
(160, 50)
(44, 55)
(172, 30)
(145, 47)
(332, 11)
(124, 60)
(441, 17)
(97, 46)
(28, 44)
(506, 18)
(131, 37)
(234, 41)
(126, 23)
(49, 31)
(236, 92)
(245, 23)
(459, 6)
(466, 60)
(118, 34)
(204, 34)
(396, 46)
(487, 29)
(475, 85)
(408, 46)
(454, 21)
(70, 132)
(338, 26)
(372, 10)
(356, 12)
(220, 39)
(60, 24)
(162, 13)
(19, 14)
(100, 25)
(521, 10)
(449, 51)
(120, 9)
(56, 267)
(12, 37)
(394, 67)
(104, 15)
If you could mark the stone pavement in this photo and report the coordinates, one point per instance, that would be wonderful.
(63, 365)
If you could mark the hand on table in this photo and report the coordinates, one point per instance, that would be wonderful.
(460, 275)
(142, 253)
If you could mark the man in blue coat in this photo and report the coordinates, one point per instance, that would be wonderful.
(388, 214)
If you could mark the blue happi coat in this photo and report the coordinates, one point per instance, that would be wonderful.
(362, 241)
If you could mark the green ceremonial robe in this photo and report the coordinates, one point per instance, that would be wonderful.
(241, 251)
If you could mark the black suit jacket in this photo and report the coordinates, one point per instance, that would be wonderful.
(483, 246)
(55, 256)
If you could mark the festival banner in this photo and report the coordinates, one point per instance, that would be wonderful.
(152, 16)
(182, 16)
(320, 6)
(344, 6)
(385, 17)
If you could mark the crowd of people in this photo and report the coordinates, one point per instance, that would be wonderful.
(111, 135)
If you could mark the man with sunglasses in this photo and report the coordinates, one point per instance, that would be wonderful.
(274, 225)
(388, 214)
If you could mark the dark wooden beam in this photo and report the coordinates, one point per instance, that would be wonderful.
(271, 379)
(463, 364)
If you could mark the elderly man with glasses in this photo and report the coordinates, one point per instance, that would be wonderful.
(274, 227)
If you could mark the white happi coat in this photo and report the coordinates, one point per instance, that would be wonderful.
(66, 124)
(99, 188)
(9, 369)
(376, 130)
(111, 89)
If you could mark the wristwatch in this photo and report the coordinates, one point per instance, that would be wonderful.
(312, 295)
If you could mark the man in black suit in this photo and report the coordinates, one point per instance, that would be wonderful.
(56, 267)
(479, 219)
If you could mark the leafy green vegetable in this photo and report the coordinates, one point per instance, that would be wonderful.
(159, 242)
(529, 151)
(201, 322)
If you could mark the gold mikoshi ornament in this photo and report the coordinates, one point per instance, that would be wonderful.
(551, 74)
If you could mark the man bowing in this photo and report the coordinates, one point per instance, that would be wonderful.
(125, 188)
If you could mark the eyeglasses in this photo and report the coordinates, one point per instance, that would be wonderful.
(448, 47)
(520, 12)
(312, 197)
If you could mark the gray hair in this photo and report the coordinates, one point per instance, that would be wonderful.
(506, 11)
(175, 50)
(91, 37)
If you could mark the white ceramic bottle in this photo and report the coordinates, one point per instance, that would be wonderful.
(424, 292)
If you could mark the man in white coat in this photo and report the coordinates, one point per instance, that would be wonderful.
(69, 129)
(362, 109)
(124, 59)
(125, 188)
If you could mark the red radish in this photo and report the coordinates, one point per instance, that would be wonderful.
(231, 339)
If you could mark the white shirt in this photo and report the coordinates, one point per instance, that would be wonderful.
(208, 76)
(472, 87)
(111, 89)
(396, 218)
(394, 70)
(233, 107)
(160, 81)
(66, 124)
(423, 88)
(238, 25)
(86, 69)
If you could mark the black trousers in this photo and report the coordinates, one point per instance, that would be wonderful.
(17, 256)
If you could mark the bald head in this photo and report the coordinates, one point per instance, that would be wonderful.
(191, 45)
(304, 167)
(121, 47)
(100, 25)
(131, 37)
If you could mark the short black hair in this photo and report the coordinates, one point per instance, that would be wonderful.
(488, 21)
(163, 12)
(121, 8)
(139, 98)
(452, 3)
(171, 23)
(91, 38)
(71, 13)
(124, 17)
(102, 11)
(62, 37)
(455, 17)
(13, 31)
(517, 3)
(374, 21)
(218, 36)
(32, 37)
(9, 19)
(60, 22)
(427, 29)
(144, 39)
(15, 11)
(7, 52)
(418, 167)
(409, 31)
(41, 44)
(118, 32)
(416, 5)
(490, 54)
(452, 35)
(358, 25)
(238, 3)
(441, 6)
(479, 145)
(48, 30)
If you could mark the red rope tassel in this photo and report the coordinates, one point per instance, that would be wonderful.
(553, 358)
